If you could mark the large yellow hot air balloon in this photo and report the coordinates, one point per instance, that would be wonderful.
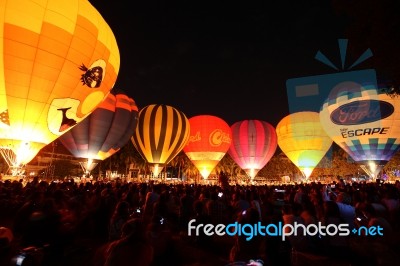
(161, 133)
(58, 61)
(303, 140)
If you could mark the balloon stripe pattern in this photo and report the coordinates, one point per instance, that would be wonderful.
(104, 131)
(124, 123)
(161, 133)
(254, 142)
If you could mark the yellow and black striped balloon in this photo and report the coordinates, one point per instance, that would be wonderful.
(161, 133)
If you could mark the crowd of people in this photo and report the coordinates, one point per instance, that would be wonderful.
(119, 223)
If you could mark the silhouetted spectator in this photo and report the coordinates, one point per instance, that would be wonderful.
(133, 248)
(119, 218)
(161, 239)
(245, 249)
(216, 209)
(186, 208)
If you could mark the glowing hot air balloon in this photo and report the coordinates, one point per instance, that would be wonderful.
(58, 61)
(161, 133)
(107, 129)
(254, 142)
(210, 139)
(364, 123)
(303, 140)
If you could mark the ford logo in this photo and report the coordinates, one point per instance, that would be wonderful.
(361, 112)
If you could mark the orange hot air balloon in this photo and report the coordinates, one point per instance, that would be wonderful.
(58, 62)
(210, 139)
(104, 132)
(303, 140)
(161, 133)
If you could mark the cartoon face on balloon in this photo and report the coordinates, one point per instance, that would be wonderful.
(94, 75)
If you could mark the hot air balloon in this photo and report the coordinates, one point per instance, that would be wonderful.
(161, 133)
(59, 60)
(254, 142)
(303, 140)
(210, 138)
(107, 129)
(363, 122)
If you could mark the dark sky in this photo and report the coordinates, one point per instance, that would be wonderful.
(230, 59)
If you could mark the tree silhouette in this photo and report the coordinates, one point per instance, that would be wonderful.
(229, 167)
(179, 161)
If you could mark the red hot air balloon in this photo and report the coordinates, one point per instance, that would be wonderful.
(254, 142)
(210, 138)
(104, 131)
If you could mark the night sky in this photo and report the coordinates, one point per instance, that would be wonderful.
(230, 59)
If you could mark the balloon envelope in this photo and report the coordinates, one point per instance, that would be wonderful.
(161, 133)
(59, 60)
(254, 142)
(210, 139)
(364, 123)
(303, 140)
(107, 129)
